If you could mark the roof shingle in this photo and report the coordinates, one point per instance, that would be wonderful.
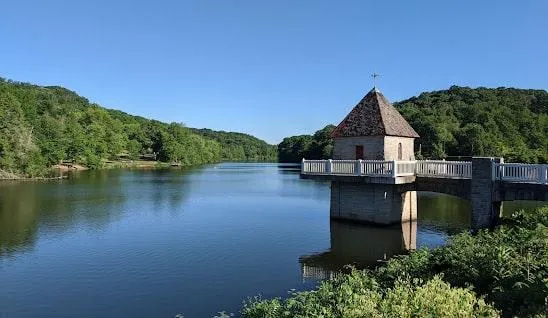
(374, 116)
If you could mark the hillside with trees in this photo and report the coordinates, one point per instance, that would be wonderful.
(317, 146)
(41, 126)
(239, 146)
(461, 121)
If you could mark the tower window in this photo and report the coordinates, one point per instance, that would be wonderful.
(359, 152)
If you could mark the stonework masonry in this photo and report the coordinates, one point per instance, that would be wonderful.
(372, 203)
(485, 211)
(344, 148)
(375, 148)
(391, 145)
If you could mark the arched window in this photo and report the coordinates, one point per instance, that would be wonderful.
(400, 155)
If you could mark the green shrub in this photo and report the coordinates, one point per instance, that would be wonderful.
(358, 295)
(508, 266)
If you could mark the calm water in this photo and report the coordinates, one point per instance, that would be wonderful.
(156, 243)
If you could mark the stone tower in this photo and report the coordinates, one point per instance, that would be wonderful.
(374, 130)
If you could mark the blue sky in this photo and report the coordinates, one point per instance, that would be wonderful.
(269, 68)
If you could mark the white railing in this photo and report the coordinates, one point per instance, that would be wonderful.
(511, 172)
(444, 169)
(380, 168)
(520, 172)
(314, 166)
(343, 167)
(406, 168)
(348, 167)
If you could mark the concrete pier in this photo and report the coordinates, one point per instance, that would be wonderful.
(372, 203)
(485, 209)
(384, 192)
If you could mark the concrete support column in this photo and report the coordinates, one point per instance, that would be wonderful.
(372, 203)
(485, 211)
(335, 209)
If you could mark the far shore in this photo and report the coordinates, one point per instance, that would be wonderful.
(60, 171)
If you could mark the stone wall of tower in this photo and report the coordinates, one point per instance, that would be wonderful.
(391, 145)
(372, 203)
(344, 148)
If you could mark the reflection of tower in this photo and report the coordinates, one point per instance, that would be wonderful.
(358, 245)
(409, 232)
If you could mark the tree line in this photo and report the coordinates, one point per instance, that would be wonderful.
(43, 126)
(461, 121)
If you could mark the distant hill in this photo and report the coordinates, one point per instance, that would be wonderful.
(461, 121)
(507, 122)
(41, 126)
(317, 146)
(239, 146)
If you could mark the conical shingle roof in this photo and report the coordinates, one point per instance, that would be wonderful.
(374, 116)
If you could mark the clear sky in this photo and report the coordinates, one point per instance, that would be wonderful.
(269, 68)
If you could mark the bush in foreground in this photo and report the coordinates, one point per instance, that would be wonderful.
(507, 267)
(359, 295)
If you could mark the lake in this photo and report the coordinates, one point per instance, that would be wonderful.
(138, 243)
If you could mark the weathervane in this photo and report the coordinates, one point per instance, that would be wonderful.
(374, 76)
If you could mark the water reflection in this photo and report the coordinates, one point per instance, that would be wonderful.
(178, 240)
(443, 212)
(359, 245)
(363, 246)
(89, 200)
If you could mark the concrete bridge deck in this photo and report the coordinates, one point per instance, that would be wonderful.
(365, 189)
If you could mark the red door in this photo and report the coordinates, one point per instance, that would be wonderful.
(359, 152)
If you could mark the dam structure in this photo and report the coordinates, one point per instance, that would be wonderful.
(375, 178)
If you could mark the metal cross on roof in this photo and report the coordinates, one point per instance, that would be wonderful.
(374, 76)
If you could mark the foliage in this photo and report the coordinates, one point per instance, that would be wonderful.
(359, 295)
(240, 147)
(42, 126)
(461, 121)
(317, 146)
(508, 265)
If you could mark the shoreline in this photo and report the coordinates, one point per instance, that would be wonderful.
(61, 170)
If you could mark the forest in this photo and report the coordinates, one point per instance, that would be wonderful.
(461, 121)
(41, 126)
(239, 146)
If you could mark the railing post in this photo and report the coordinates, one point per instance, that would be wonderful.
(542, 174)
(394, 169)
(329, 167)
(302, 166)
(358, 168)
